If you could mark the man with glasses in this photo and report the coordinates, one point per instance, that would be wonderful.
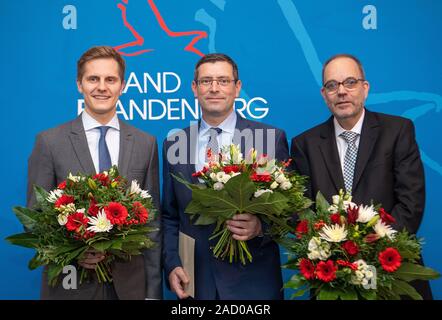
(216, 85)
(371, 155)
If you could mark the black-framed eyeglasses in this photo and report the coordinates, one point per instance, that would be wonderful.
(350, 83)
(206, 83)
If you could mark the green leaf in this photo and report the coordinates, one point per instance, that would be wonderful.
(26, 240)
(205, 220)
(40, 194)
(349, 294)
(268, 204)
(328, 294)
(295, 282)
(368, 294)
(104, 245)
(26, 216)
(322, 204)
(298, 293)
(410, 271)
(53, 271)
(35, 262)
(240, 188)
(403, 288)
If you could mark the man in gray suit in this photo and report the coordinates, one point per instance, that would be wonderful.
(92, 143)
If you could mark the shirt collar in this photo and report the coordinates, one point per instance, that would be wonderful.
(90, 123)
(357, 127)
(228, 125)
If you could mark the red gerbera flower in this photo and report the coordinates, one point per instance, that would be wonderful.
(62, 185)
(140, 211)
(307, 269)
(326, 271)
(350, 247)
(385, 217)
(301, 228)
(64, 200)
(352, 266)
(93, 209)
(116, 213)
(335, 218)
(390, 259)
(76, 221)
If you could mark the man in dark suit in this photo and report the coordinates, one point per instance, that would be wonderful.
(90, 144)
(216, 85)
(372, 155)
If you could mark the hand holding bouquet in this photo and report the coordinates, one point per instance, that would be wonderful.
(233, 185)
(86, 214)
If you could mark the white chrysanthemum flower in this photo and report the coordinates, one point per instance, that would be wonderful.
(62, 219)
(54, 195)
(333, 233)
(100, 223)
(218, 186)
(366, 213)
(135, 189)
(74, 178)
(286, 185)
(274, 185)
(261, 192)
(383, 230)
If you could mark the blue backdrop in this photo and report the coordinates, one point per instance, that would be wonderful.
(279, 47)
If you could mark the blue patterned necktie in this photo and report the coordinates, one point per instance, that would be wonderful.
(104, 159)
(213, 141)
(350, 158)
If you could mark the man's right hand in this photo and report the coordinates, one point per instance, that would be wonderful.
(178, 280)
(91, 258)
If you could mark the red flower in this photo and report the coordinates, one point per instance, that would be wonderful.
(197, 174)
(116, 213)
(76, 221)
(62, 185)
(350, 247)
(264, 177)
(335, 218)
(385, 217)
(352, 266)
(371, 237)
(104, 179)
(390, 259)
(318, 225)
(64, 200)
(230, 169)
(301, 228)
(93, 209)
(307, 269)
(326, 271)
(140, 211)
(352, 214)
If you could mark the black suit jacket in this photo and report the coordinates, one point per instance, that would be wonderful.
(388, 169)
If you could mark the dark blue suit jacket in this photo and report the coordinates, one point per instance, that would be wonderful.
(215, 278)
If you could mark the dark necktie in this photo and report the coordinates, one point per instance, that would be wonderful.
(104, 159)
(350, 158)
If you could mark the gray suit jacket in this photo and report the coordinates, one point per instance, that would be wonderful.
(64, 149)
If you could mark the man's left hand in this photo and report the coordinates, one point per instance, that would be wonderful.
(244, 226)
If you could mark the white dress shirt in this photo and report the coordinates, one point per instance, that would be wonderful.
(92, 131)
(224, 138)
(340, 141)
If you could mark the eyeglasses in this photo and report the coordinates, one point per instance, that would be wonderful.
(206, 83)
(350, 83)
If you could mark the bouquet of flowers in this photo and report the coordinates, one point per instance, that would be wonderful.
(233, 185)
(98, 211)
(349, 252)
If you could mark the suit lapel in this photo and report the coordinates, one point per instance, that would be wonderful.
(80, 145)
(126, 145)
(330, 155)
(369, 136)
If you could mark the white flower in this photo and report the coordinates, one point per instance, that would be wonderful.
(135, 189)
(234, 174)
(333, 208)
(349, 204)
(280, 177)
(261, 192)
(213, 176)
(74, 178)
(334, 233)
(383, 230)
(318, 250)
(274, 185)
(365, 213)
(100, 223)
(82, 210)
(335, 199)
(286, 185)
(62, 219)
(218, 186)
(54, 195)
